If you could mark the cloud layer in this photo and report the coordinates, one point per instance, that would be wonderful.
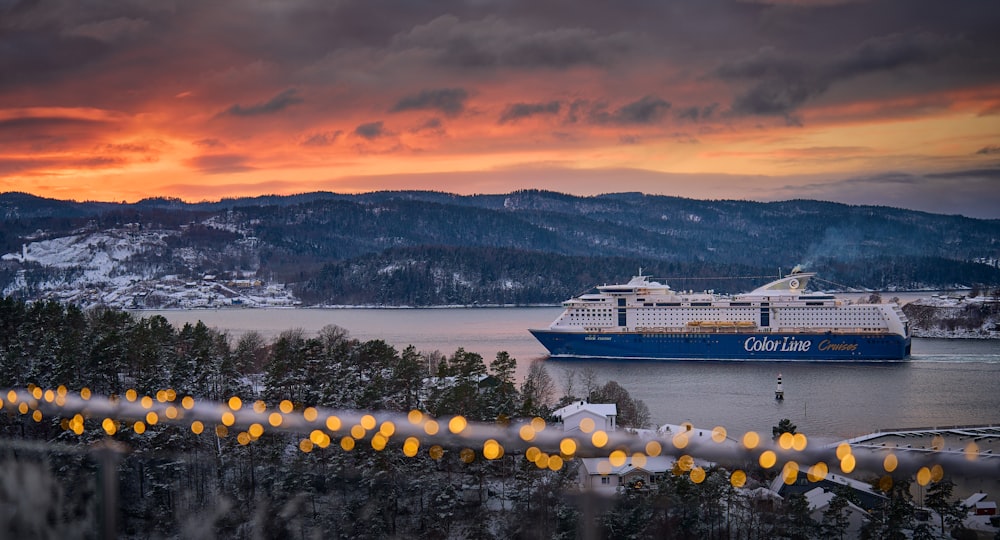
(120, 100)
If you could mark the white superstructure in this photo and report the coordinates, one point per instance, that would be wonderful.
(642, 305)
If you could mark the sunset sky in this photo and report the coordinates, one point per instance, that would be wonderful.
(893, 102)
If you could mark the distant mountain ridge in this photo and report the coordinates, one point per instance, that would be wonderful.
(423, 248)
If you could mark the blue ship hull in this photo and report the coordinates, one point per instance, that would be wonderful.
(724, 346)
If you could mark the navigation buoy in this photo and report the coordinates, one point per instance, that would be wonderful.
(779, 393)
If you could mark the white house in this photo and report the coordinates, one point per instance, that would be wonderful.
(599, 475)
(819, 500)
(603, 415)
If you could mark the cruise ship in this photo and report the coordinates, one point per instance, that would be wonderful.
(645, 319)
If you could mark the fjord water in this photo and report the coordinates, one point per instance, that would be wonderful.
(944, 383)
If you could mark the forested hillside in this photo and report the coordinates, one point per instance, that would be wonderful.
(421, 248)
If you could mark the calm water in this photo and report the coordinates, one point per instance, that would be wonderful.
(946, 382)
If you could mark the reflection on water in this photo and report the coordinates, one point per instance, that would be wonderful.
(946, 382)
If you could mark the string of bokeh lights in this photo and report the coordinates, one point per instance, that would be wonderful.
(547, 447)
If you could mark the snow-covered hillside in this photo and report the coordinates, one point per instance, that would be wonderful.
(132, 268)
(955, 317)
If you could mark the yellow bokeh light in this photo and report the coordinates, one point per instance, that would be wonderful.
(491, 449)
(415, 417)
(243, 438)
(532, 453)
(358, 431)
(587, 425)
(347, 443)
(685, 463)
(147, 402)
(599, 439)
(937, 473)
(310, 414)
(767, 459)
(171, 412)
(538, 423)
(542, 461)
(259, 406)
(61, 390)
(274, 419)
(387, 429)
(467, 455)
(285, 406)
(12, 396)
(890, 463)
(368, 422)
(843, 449)
(306, 445)
(228, 418)
(131, 394)
(85, 393)
(818, 472)
(972, 451)
(751, 440)
(171, 394)
(847, 464)
(785, 440)
(197, 427)
(431, 427)
(527, 433)
(378, 442)
(152, 418)
(790, 473)
(221, 431)
(799, 442)
(316, 436)
(187, 402)
(738, 479)
(654, 448)
(161, 395)
(680, 440)
(718, 434)
(457, 424)
(697, 475)
(256, 430)
(555, 463)
(235, 403)
(36, 416)
(567, 447)
(436, 452)
(937, 443)
(923, 476)
(617, 458)
(333, 423)
(638, 459)
(885, 483)
(111, 427)
(139, 427)
(60, 401)
(411, 446)
(49, 395)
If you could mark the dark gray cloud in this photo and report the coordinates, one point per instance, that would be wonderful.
(220, 163)
(647, 110)
(324, 138)
(209, 143)
(493, 42)
(695, 113)
(989, 150)
(517, 111)
(450, 101)
(278, 103)
(371, 130)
